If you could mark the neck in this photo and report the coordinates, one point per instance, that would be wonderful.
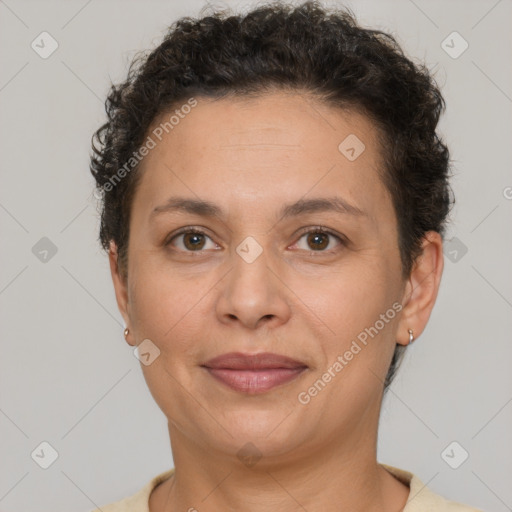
(341, 474)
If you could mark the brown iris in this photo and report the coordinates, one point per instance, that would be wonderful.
(315, 237)
(193, 241)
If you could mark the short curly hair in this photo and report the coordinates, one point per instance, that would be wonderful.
(307, 48)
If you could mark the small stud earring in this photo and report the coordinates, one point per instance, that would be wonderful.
(411, 336)
(126, 331)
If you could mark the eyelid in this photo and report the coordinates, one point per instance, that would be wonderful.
(321, 229)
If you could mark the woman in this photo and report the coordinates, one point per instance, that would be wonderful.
(274, 197)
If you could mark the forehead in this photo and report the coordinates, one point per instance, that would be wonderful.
(291, 122)
(263, 151)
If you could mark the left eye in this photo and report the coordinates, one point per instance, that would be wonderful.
(318, 240)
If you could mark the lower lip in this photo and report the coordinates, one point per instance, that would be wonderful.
(255, 381)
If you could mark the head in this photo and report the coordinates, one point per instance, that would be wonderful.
(315, 138)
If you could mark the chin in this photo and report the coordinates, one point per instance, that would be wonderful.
(271, 433)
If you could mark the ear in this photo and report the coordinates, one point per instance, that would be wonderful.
(421, 288)
(120, 286)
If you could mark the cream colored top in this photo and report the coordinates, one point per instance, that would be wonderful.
(421, 498)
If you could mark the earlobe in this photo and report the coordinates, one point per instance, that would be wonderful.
(421, 289)
(119, 282)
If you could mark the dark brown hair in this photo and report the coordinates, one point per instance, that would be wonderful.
(307, 48)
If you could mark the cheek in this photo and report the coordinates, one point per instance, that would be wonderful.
(156, 301)
(347, 299)
(165, 310)
(355, 306)
(166, 305)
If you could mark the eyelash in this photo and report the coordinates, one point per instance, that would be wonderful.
(305, 231)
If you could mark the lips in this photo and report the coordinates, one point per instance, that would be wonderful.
(263, 361)
(253, 373)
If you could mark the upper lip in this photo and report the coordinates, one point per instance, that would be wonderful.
(240, 361)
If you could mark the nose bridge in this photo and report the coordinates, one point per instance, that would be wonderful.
(250, 279)
(251, 290)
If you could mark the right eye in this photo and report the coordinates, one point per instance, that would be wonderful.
(190, 240)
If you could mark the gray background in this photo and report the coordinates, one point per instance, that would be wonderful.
(67, 376)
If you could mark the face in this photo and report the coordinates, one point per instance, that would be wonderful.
(296, 254)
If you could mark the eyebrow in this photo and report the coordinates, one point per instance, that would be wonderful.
(302, 206)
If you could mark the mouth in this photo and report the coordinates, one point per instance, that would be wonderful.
(254, 373)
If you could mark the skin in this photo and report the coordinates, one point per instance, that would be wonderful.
(250, 158)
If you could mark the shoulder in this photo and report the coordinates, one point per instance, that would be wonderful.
(423, 499)
(138, 502)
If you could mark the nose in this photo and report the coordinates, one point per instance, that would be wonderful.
(253, 294)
